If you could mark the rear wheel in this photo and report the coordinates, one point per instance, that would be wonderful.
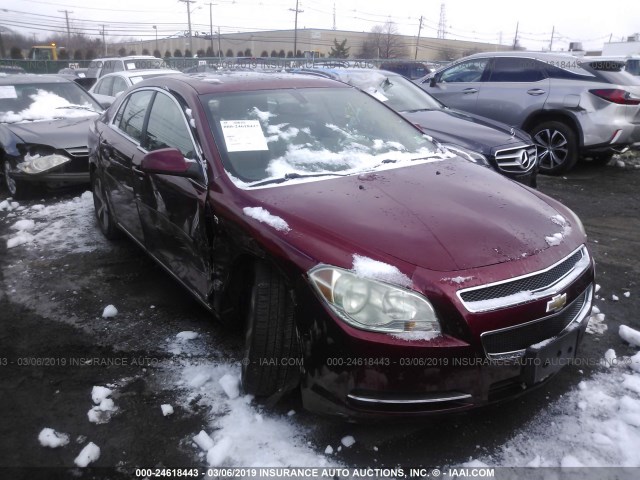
(557, 147)
(272, 352)
(103, 211)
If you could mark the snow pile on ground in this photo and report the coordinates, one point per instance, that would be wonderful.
(166, 409)
(109, 311)
(104, 406)
(239, 431)
(90, 453)
(597, 424)
(48, 437)
(62, 227)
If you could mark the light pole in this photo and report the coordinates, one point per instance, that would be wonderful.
(155, 27)
(295, 31)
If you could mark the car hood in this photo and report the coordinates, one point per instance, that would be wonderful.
(470, 131)
(62, 133)
(442, 216)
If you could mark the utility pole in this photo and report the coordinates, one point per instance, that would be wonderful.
(442, 26)
(418, 41)
(553, 31)
(155, 27)
(219, 46)
(295, 31)
(334, 15)
(104, 42)
(66, 14)
(188, 3)
(211, 25)
(515, 39)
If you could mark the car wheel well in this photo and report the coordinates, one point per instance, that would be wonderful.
(542, 117)
(233, 306)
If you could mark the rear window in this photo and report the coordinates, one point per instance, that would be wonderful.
(611, 71)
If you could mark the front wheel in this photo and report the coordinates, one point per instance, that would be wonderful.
(272, 352)
(102, 209)
(557, 147)
(17, 189)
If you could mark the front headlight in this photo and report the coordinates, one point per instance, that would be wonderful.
(472, 156)
(34, 164)
(373, 305)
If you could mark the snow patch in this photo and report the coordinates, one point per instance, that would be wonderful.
(629, 335)
(365, 267)
(48, 437)
(416, 335)
(90, 453)
(166, 409)
(263, 216)
(109, 311)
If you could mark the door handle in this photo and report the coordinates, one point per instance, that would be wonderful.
(536, 91)
(466, 91)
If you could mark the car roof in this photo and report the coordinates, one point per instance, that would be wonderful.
(28, 78)
(523, 53)
(129, 57)
(137, 73)
(204, 83)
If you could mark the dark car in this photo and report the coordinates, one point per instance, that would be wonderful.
(44, 120)
(12, 70)
(376, 272)
(508, 150)
(410, 70)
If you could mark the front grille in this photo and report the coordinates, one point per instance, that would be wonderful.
(530, 283)
(517, 160)
(520, 337)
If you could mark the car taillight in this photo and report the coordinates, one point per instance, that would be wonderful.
(616, 95)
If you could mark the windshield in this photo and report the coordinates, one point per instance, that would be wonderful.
(396, 91)
(282, 134)
(30, 102)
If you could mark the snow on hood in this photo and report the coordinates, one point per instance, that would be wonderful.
(47, 106)
(442, 216)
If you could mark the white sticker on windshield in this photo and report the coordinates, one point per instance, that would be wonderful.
(131, 66)
(243, 135)
(376, 94)
(8, 91)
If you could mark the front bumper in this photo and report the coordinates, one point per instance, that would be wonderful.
(355, 374)
(54, 178)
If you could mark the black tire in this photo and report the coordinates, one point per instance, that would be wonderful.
(557, 147)
(17, 189)
(270, 336)
(104, 217)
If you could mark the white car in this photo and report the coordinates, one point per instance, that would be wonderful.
(108, 87)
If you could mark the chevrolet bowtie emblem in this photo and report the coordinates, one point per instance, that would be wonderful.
(557, 303)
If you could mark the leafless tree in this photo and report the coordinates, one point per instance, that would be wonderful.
(384, 41)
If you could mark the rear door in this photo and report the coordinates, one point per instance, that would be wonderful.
(120, 148)
(515, 88)
(459, 85)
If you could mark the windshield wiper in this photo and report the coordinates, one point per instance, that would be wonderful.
(291, 176)
(77, 107)
(416, 110)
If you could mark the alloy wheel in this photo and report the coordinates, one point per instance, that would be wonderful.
(8, 179)
(553, 148)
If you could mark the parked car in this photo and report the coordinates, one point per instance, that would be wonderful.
(410, 70)
(11, 70)
(508, 150)
(372, 270)
(44, 122)
(571, 108)
(109, 86)
(101, 66)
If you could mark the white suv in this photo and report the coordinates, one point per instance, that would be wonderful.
(572, 107)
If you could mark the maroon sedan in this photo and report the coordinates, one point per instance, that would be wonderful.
(374, 272)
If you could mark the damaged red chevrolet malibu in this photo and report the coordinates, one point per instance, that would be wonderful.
(372, 270)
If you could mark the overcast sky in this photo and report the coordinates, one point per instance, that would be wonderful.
(488, 20)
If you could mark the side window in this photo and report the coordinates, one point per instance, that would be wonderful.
(107, 68)
(515, 69)
(104, 86)
(133, 112)
(119, 86)
(167, 127)
(469, 71)
(118, 66)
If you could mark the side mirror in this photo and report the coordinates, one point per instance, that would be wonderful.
(432, 81)
(169, 161)
(106, 103)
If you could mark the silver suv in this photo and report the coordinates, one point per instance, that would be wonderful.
(572, 108)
